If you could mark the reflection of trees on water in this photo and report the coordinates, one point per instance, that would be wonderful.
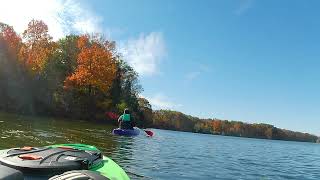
(18, 131)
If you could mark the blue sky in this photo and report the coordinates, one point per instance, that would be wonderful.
(247, 60)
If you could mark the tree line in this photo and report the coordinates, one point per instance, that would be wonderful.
(173, 120)
(77, 76)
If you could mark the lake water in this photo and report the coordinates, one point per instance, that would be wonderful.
(170, 154)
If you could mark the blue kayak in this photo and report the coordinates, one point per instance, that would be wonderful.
(126, 132)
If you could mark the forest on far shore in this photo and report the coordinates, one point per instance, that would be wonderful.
(173, 120)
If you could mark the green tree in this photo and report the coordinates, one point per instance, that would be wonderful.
(145, 112)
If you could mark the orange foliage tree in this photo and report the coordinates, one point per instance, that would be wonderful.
(11, 38)
(38, 45)
(217, 126)
(96, 66)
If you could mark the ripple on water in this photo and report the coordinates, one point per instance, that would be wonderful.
(14, 132)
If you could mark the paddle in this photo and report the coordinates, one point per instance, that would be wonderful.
(150, 133)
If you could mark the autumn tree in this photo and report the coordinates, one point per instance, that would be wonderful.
(38, 46)
(96, 67)
(11, 38)
(216, 126)
(93, 76)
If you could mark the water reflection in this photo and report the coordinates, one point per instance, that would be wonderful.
(17, 131)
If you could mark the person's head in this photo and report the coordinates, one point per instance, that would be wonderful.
(126, 111)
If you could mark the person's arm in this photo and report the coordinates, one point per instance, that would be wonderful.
(120, 119)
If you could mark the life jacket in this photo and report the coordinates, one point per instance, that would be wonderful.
(126, 117)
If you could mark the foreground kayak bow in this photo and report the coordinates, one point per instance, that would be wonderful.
(56, 161)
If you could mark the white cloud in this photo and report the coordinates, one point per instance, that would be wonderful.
(198, 72)
(160, 101)
(145, 53)
(244, 6)
(61, 16)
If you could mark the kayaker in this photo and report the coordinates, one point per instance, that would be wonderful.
(126, 120)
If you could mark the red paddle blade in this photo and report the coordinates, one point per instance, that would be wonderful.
(150, 133)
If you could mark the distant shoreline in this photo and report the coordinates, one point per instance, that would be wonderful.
(235, 136)
(177, 121)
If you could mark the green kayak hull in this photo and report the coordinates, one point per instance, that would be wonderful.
(107, 168)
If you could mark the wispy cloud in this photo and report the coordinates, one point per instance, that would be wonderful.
(244, 6)
(62, 16)
(144, 53)
(160, 101)
(197, 72)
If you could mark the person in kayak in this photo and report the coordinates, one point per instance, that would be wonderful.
(126, 120)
